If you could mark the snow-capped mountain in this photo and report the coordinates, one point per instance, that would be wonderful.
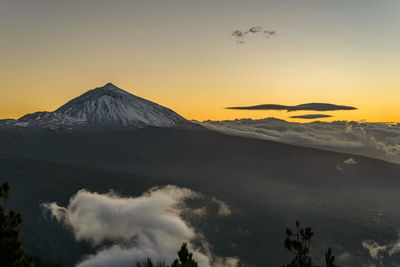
(107, 106)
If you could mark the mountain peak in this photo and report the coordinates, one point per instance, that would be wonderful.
(108, 105)
(109, 86)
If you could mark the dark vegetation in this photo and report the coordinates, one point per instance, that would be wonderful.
(299, 244)
(185, 260)
(11, 251)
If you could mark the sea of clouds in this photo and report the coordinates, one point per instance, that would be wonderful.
(376, 140)
(129, 229)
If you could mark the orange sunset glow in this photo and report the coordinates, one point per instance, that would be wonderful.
(192, 65)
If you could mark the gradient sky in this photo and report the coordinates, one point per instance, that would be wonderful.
(179, 53)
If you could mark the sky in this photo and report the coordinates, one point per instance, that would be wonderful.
(180, 54)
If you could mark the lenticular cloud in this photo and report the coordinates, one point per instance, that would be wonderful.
(150, 225)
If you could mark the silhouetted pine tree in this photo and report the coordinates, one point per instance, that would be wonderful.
(185, 258)
(149, 263)
(329, 259)
(299, 245)
(5, 192)
(11, 253)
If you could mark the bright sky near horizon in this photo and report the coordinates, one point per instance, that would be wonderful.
(179, 53)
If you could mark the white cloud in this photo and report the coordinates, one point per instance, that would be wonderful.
(350, 161)
(346, 163)
(150, 225)
(223, 208)
(377, 140)
(373, 248)
(378, 252)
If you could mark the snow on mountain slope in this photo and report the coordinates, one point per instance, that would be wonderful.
(108, 106)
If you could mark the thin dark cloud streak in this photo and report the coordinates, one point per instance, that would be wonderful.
(262, 107)
(308, 106)
(320, 107)
(241, 35)
(311, 116)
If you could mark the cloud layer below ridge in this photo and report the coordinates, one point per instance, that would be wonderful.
(377, 140)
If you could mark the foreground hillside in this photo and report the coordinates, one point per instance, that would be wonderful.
(267, 185)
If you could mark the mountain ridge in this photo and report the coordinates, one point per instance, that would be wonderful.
(107, 105)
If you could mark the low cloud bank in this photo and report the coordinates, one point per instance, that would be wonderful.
(134, 228)
(377, 140)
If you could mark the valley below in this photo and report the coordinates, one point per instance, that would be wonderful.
(266, 185)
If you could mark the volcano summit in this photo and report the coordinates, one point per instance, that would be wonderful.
(105, 106)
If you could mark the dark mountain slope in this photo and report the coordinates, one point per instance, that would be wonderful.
(268, 185)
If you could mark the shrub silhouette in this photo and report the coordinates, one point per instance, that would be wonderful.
(329, 259)
(149, 263)
(185, 259)
(11, 252)
(299, 245)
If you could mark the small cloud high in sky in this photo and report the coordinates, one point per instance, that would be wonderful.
(241, 35)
